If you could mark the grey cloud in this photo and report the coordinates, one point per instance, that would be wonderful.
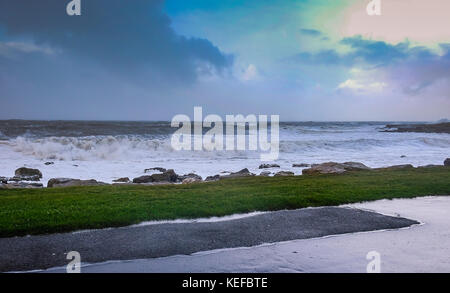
(412, 68)
(376, 53)
(124, 36)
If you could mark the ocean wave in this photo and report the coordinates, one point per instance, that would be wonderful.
(360, 144)
(133, 147)
(88, 148)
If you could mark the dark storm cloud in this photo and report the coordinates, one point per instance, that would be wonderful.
(121, 35)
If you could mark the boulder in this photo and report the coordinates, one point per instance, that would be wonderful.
(265, 166)
(334, 168)
(66, 182)
(355, 166)
(162, 170)
(56, 181)
(167, 176)
(301, 165)
(284, 173)
(122, 180)
(196, 177)
(190, 180)
(242, 173)
(28, 172)
(265, 173)
(22, 185)
(447, 162)
(397, 167)
(428, 166)
(25, 178)
(143, 179)
(212, 178)
(4, 180)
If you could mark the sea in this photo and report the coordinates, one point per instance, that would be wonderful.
(107, 150)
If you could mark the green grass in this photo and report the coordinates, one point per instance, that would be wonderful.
(40, 211)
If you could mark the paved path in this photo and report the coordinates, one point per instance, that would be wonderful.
(420, 248)
(153, 241)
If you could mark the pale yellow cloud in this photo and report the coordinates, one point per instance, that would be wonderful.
(362, 85)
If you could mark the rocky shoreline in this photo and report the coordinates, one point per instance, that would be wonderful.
(29, 178)
(426, 128)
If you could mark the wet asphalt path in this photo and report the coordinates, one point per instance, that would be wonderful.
(158, 240)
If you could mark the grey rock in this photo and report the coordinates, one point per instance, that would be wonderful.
(242, 173)
(397, 167)
(428, 166)
(56, 181)
(334, 168)
(25, 178)
(265, 173)
(28, 172)
(22, 185)
(265, 166)
(162, 170)
(189, 176)
(191, 180)
(143, 179)
(4, 180)
(284, 173)
(68, 182)
(167, 176)
(355, 166)
(212, 178)
(123, 179)
(301, 165)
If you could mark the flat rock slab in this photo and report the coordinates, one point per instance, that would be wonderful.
(158, 240)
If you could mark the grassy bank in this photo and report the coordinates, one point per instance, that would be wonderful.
(37, 211)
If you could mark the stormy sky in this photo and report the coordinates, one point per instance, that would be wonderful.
(153, 59)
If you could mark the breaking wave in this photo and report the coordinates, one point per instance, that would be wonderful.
(130, 147)
(88, 148)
